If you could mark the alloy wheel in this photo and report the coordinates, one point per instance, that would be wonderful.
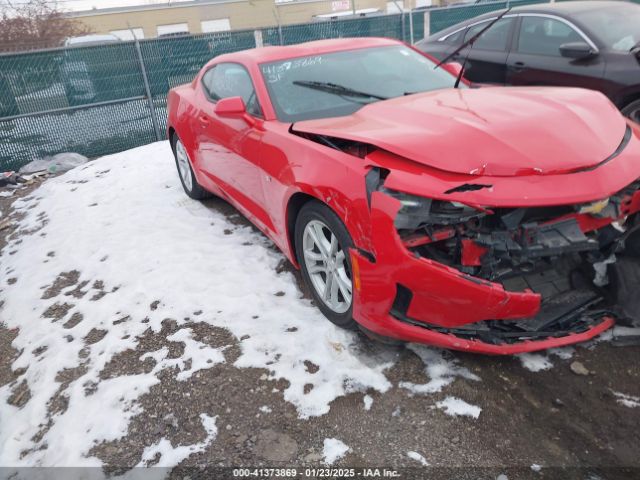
(327, 266)
(184, 168)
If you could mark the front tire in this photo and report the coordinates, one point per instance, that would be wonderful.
(322, 248)
(632, 111)
(189, 182)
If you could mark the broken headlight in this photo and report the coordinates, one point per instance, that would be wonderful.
(417, 212)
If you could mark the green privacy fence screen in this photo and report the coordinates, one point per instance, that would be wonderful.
(446, 17)
(93, 100)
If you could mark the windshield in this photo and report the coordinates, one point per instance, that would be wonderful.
(337, 84)
(617, 26)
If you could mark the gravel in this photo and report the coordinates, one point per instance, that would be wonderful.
(564, 416)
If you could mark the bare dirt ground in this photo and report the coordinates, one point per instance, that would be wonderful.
(555, 418)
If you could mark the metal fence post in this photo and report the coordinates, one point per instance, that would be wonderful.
(147, 89)
(401, 10)
(411, 26)
(427, 24)
(276, 14)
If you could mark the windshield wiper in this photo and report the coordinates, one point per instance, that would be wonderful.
(341, 90)
(469, 42)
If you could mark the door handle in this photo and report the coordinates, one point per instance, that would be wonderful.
(517, 66)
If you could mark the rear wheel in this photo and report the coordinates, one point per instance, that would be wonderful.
(632, 111)
(185, 172)
(322, 249)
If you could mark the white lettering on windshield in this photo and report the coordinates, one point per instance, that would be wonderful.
(275, 73)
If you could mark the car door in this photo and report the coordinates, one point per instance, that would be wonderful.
(229, 148)
(535, 58)
(487, 57)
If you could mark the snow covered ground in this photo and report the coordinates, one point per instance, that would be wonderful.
(105, 255)
(139, 252)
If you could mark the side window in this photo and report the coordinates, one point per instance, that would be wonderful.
(495, 38)
(231, 80)
(543, 36)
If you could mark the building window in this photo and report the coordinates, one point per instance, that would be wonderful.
(217, 25)
(172, 29)
(127, 35)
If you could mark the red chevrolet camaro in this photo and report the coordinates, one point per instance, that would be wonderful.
(496, 220)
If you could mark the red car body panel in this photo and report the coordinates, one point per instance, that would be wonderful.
(529, 146)
(491, 120)
(439, 302)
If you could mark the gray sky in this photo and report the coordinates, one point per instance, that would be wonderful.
(71, 5)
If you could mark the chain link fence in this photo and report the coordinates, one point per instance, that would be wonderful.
(94, 99)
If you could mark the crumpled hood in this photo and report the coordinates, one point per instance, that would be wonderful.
(495, 131)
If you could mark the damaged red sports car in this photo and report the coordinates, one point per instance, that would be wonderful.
(496, 220)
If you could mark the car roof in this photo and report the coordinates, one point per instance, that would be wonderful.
(318, 47)
(92, 39)
(567, 8)
(561, 9)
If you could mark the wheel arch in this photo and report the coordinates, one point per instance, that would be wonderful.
(172, 133)
(294, 205)
(346, 209)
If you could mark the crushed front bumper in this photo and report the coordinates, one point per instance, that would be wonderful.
(415, 299)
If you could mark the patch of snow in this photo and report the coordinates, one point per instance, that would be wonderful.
(535, 467)
(368, 401)
(502, 476)
(457, 407)
(124, 220)
(7, 193)
(164, 454)
(535, 362)
(418, 458)
(103, 415)
(441, 368)
(627, 400)
(196, 356)
(56, 164)
(563, 353)
(333, 450)
(593, 476)
(265, 409)
(603, 337)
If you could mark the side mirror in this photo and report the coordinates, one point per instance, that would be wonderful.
(230, 107)
(577, 50)
(234, 107)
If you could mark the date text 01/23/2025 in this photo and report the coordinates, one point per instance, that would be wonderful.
(315, 473)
